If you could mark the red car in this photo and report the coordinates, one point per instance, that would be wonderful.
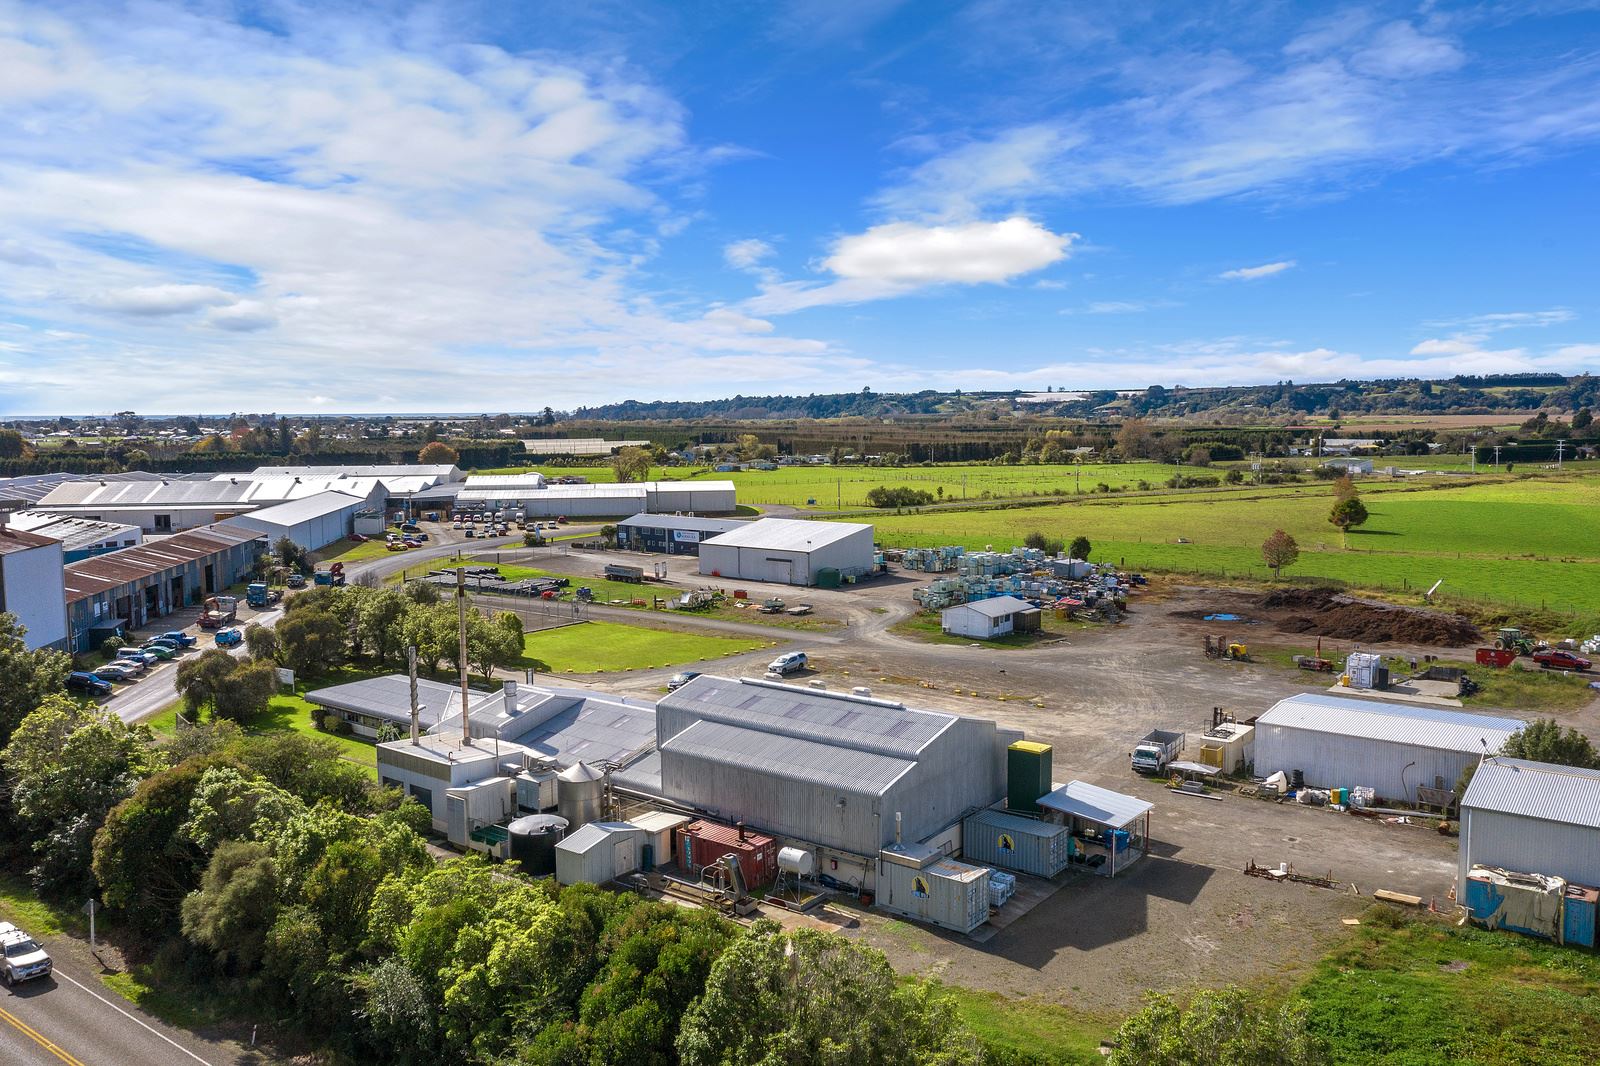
(1556, 659)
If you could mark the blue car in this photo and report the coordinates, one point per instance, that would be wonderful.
(179, 637)
(227, 638)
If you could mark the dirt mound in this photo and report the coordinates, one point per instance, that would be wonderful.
(1346, 618)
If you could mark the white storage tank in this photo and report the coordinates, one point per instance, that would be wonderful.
(797, 861)
(580, 794)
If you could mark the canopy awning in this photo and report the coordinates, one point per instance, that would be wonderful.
(1095, 804)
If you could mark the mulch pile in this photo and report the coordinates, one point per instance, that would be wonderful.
(1325, 613)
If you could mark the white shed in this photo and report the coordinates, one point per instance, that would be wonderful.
(313, 522)
(1532, 817)
(788, 551)
(987, 619)
(1345, 741)
(599, 852)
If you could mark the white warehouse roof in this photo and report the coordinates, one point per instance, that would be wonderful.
(786, 534)
(307, 508)
(996, 606)
(1397, 723)
(1567, 794)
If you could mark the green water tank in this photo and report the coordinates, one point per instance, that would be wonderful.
(1028, 766)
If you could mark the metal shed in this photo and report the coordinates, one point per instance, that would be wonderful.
(1012, 842)
(599, 852)
(991, 618)
(788, 551)
(920, 882)
(1345, 741)
(1532, 816)
(1113, 828)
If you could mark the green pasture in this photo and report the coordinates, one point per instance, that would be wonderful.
(601, 647)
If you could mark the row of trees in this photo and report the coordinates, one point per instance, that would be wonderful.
(1078, 549)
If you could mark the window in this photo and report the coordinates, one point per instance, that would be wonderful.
(163, 523)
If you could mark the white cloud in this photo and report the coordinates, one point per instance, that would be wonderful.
(158, 300)
(1399, 50)
(1265, 270)
(246, 316)
(748, 253)
(960, 182)
(1450, 346)
(901, 257)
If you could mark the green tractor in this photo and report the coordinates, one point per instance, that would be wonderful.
(1511, 639)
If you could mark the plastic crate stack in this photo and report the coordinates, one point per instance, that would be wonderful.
(1002, 886)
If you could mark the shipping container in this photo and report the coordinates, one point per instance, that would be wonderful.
(702, 843)
(918, 882)
(1016, 843)
(1578, 915)
(1522, 903)
(1028, 772)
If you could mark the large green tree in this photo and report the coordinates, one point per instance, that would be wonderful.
(235, 906)
(1226, 1027)
(1348, 514)
(26, 677)
(311, 642)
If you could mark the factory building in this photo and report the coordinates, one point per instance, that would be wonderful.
(825, 770)
(1393, 748)
(529, 494)
(172, 505)
(790, 552)
(80, 538)
(670, 534)
(129, 588)
(1531, 817)
(313, 522)
(997, 616)
(31, 587)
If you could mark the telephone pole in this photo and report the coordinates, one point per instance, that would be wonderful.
(1561, 447)
(416, 709)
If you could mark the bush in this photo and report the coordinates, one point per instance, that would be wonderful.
(883, 496)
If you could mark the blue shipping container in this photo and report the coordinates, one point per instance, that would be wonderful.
(1578, 915)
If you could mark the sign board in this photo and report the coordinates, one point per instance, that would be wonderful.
(686, 536)
(285, 676)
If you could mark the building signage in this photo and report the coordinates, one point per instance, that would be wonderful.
(686, 536)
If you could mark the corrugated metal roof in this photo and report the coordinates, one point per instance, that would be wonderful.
(1399, 723)
(381, 471)
(787, 534)
(1015, 823)
(692, 486)
(302, 510)
(1566, 794)
(837, 718)
(33, 487)
(846, 769)
(659, 821)
(19, 540)
(633, 491)
(530, 479)
(595, 834)
(389, 698)
(682, 521)
(115, 569)
(73, 533)
(1095, 804)
(228, 491)
(996, 606)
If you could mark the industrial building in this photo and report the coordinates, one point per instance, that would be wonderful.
(1393, 748)
(670, 534)
(578, 447)
(997, 616)
(312, 522)
(790, 552)
(127, 589)
(170, 505)
(529, 494)
(407, 477)
(825, 770)
(80, 538)
(1532, 817)
(31, 587)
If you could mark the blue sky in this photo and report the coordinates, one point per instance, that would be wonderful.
(377, 207)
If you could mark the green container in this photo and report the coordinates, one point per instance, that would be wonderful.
(1028, 769)
(827, 578)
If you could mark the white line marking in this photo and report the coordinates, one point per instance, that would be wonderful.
(131, 1018)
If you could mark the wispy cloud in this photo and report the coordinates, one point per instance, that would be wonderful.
(1252, 273)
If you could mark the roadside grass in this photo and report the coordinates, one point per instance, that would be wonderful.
(21, 905)
(1046, 1032)
(1517, 688)
(1427, 993)
(602, 647)
(348, 551)
(924, 626)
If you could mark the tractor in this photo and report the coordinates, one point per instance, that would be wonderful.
(1512, 639)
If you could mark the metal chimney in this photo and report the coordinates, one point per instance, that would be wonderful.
(411, 663)
(511, 698)
(897, 827)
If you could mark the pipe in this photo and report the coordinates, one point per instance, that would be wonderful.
(897, 827)
(461, 625)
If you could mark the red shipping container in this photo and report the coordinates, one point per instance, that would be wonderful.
(700, 844)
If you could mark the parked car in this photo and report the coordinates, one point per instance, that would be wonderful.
(24, 958)
(1556, 659)
(677, 681)
(357, 538)
(227, 638)
(180, 638)
(456, 524)
(86, 683)
(146, 657)
(157, 643)
(117, 672)
(138, 666)
(397, 546)
(159, 650)
(788, 663)
(298, 581)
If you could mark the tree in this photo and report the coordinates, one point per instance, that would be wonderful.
(13, 445)
(380, 622)
(1133, 439)
(246, 691)
(136, 458)
(1347, 514)
(1583, 418)
(1279, 550)
(291, 556)
(1344, 488)
(311, 641)
(1218, 1026)
(1079, 548)
(28, 676)
(261, 642)
(808, 998)
(200, 679)
(235, 906)
(438, 452)
(631, 464)
(1543, 740)
(228, 803)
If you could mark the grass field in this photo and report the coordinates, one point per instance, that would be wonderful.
(290, 714)
(1046, 1031)
(1523, 687)
(924, 626)
(601, 647)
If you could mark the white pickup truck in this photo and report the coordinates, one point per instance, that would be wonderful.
(24, 958)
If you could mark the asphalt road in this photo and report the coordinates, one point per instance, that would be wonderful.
(70, 1018)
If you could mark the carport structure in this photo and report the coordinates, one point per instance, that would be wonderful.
(1106, 823)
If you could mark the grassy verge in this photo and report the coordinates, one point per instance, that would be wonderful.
(924, 626)
(1516, 688)
(1044, 1032)
(598, 647)
(22, 906)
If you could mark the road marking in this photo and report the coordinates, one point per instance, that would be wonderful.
(32, 1034)
(154, 1031)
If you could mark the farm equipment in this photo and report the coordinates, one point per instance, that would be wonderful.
(1314, 663)
(1218, 648)
(695, 599)
(585, 594)
(1512, 639)
(219, 611)
(772, 606)
(1496, 657)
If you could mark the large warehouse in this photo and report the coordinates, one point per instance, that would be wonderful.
(80, 537)
(1532, 817)
(312, 522)
(529, 494)
(789, 552)
(828, 769)
(670, 534)
(1393, 748)
(172, 505)
(31, 579)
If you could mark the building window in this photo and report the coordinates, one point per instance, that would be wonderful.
(163, 523)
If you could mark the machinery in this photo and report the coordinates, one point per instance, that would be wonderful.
(219, 611)
(259, 595)
(1512, 639)
(334, 575)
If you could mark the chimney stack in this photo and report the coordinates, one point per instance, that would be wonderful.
(511, 697)
(897, 827)
(740, 827)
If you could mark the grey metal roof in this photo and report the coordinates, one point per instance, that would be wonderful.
(1095, 804)
(73, 532)
(307, 508)
(18, 540)
(33, 487)
(642, 776)
(834, 718)
(786, 534)
(846, 769)
(1400, 723)
(113, 570)
(997, 606)
(1566, 794)
(389, 698)
(568, 725)
(682, 521)
(1015, 823)
(433, 470)
(226, 491)
(595, 834)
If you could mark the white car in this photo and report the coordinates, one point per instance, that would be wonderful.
(24, 958)
(788, 663)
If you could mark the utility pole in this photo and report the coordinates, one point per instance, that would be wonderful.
(411, 662)
(1497, 457)
(461, 625)
(1561, 447)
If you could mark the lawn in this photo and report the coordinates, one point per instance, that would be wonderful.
(924, 626)
(600, 647)
(349, 551)
(290, 714)
(1045, 1031)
